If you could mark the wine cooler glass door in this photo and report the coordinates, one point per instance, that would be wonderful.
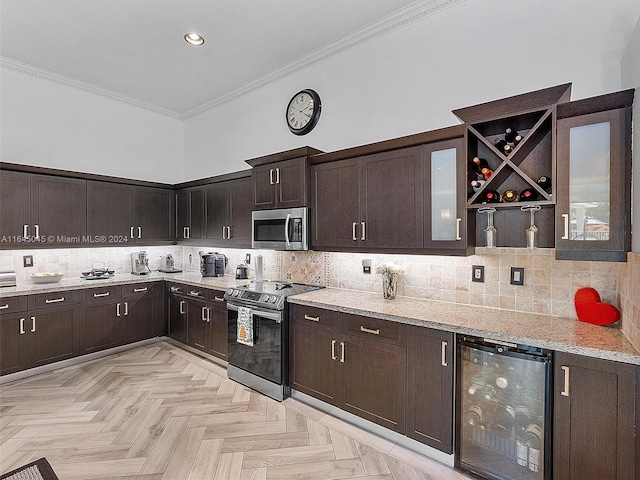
(503, 412)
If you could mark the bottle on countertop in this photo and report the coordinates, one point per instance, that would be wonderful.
(510, 196)
(510, 135)
(491, 196)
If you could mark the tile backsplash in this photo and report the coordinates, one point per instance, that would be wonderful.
(549, 284)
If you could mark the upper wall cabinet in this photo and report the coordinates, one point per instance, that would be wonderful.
(281, 180)
(593, 213)
(228, 207)
(121, 214)
(41, 210)
(190, 215)
(511, 164)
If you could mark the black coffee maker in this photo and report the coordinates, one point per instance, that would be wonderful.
(212, 264)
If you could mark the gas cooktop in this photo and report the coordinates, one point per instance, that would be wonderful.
(267, 294)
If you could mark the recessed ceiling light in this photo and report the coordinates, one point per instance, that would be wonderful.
(194, 39)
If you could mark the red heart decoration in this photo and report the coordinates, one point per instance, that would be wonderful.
(591, 310)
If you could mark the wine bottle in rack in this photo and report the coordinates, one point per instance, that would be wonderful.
(510, 196)
(510, 135)
(491, 196)
(477, 184)
(486, 173)
(545, 183)
(517, 139)
(528, 195)
(503, 146)
(479, 164)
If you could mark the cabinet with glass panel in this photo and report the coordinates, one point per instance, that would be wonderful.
(593, 210)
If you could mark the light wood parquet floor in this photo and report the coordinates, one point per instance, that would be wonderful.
(159, 412)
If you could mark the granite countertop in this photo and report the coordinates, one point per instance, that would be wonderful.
(555, 333)
(189, 278)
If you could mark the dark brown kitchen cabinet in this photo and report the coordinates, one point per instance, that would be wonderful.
(40, 210)
(280, 185)
(177, 311)
(13, 334)
(102, 313)
(198, 318)
(218, 325)
(228, 213)
(144, 313)
(52, 334)
(594, 419)
(346, 369)
(430, 361)
(190, 215)
(122, 214)
(448, 229)
(593, 212)
(369, 203)
(14, 214)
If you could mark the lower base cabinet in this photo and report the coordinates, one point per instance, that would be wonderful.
(101, 326)
(13, 343)
(219, 325)
(594, 427)
(177, 313)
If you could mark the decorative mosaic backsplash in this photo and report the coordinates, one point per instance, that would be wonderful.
(549, 284)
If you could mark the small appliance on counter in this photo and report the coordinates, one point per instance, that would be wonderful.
(98, 271)
(212, 264)
(167, 265)
(7, 278)
(140, 263)
(242, 272)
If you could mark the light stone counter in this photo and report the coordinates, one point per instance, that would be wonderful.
(555, 333)
(193, 278)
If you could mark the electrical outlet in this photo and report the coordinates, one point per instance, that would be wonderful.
(247, 258)
(27, 260)
(477, 273)
(517, 276)
(366, 266)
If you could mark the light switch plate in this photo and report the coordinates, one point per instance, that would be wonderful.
(517, 276)
(477, 273)
(27, 260)
(366, 266)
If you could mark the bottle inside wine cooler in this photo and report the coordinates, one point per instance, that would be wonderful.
(533, 436)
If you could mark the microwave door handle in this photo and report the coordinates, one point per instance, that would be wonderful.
(286, 230)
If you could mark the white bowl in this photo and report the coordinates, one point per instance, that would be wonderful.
(46, 277)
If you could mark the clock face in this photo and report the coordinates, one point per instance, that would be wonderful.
(303, 112)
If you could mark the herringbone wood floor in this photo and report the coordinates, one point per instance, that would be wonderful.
(159, 412)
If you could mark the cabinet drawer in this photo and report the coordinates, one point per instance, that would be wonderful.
(101, 294)
(44, 300)
(177, 288)
(138, 290)
(195, 292)
(216, 296)
(316, 316)
(13, 304)
(374, 328)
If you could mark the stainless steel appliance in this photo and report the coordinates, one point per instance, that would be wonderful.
(281, 229)
(504, 414)
(261, 362)
(7, 278)
(242, 272)
(212, 264)
(167, 264)
(140, 263)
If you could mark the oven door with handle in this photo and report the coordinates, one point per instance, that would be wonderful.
(266, 357)
(281, 229)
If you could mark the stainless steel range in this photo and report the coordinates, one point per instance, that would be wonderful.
(258, 354)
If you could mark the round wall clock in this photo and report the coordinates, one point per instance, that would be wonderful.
(303, 112)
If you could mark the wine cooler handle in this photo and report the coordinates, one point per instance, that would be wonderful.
(565, 217)
(565, 391)
(444, 354)
(458, 221)
(333, 350)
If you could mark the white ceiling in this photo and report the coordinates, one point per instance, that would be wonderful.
(135, 48)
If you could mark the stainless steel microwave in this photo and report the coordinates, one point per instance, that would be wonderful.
(280, 229)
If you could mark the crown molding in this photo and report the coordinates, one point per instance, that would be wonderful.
(406, 16)
(86, 87)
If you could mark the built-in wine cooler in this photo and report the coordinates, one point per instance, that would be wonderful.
(503, 412)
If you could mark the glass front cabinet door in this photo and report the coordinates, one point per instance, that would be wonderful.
(593, 205)
(445, 222)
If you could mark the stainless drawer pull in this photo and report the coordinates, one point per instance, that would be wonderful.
(185, 232)
(126, 308)
(444, 354)
(181, 307)
(363, 236)
(368, 330)
(132, 236)
(118, 310)
(22, 332)
(176, 290)
(26, 231)
(565, 391)
(55, 300)
(277, 175)
(353, 231)
(458, 221)
(342, 352)
(37, 227)
(270, 177)
(138, 290)
(314, 319)
(218, 299)
(33, 324)
(193, 293)
(139, 232)
(333, 350)
(565, 217)
(105, 294)
(4, 307)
